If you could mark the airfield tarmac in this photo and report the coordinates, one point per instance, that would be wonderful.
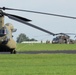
(44, 52)
(48, 52)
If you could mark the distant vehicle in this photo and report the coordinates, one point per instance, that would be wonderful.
(62, 38)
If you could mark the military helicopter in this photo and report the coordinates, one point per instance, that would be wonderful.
(63, 38)
(7, 43)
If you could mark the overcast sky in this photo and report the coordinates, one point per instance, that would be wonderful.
(50, 23)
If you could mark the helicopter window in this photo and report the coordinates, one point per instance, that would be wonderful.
(3, 31)
(55, 39)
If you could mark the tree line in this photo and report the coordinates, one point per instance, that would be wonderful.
(22, 37)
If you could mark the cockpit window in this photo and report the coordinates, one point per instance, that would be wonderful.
(3, 31)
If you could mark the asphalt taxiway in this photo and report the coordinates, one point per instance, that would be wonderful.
(44, 52)
(48, 52)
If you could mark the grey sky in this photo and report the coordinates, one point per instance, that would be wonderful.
(51, 23)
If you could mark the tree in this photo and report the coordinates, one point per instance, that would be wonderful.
(22, 37)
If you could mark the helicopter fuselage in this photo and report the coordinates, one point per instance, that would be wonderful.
(7, 43)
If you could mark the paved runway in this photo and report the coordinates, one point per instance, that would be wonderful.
(48, 52)
(44, 52)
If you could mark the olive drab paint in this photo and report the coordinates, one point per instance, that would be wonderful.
(11, 43)
(1, 22)
(6, 37)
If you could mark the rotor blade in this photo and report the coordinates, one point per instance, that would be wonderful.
(24, 20)
(29, 24)
(4, 8)
(39, 28)
(65, 34)
(60, 34)
(15, 17)
(70, 33)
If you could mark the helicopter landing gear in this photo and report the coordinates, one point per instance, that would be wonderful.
(13, 52)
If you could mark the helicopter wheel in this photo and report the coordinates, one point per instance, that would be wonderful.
(13, 52)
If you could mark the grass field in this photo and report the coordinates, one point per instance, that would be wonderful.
(31, 47)
(39, 64)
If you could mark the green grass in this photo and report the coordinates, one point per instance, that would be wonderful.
(31, 47)
(39, 64)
